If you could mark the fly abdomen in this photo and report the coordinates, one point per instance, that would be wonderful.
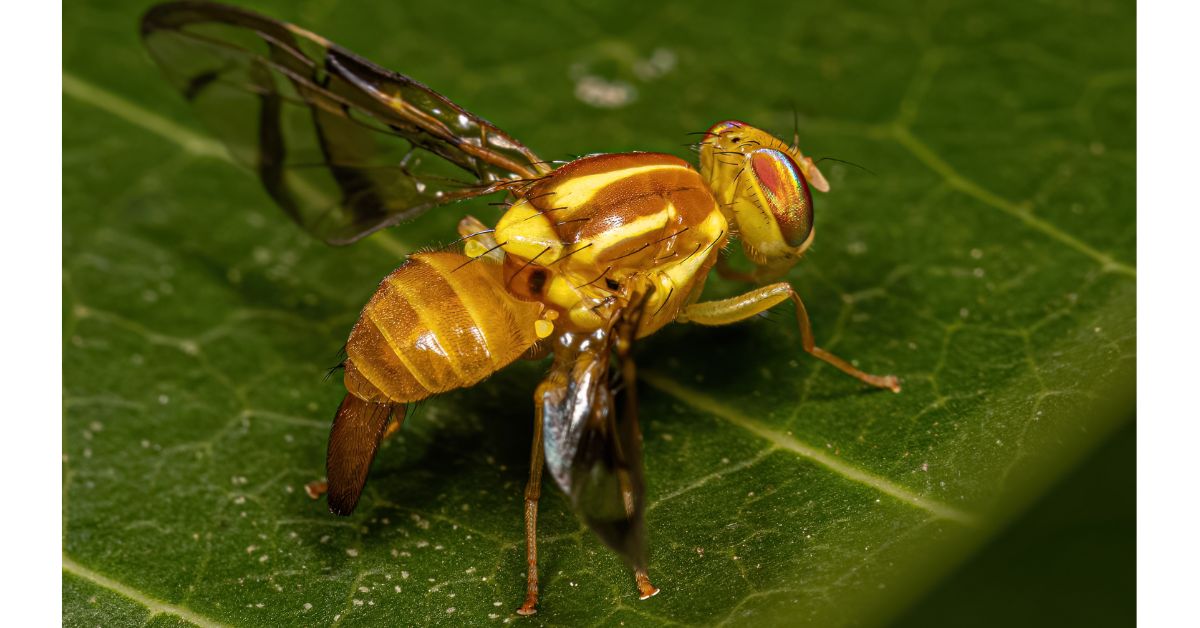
(440, 321)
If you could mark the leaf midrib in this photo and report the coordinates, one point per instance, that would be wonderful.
(152, 604)
(786, 442)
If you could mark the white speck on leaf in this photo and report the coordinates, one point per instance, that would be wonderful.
(661, 61)
(602, 93)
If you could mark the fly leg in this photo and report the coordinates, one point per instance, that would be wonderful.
(645, 589)
(478, 239)
(533, 491)
(761, 274)
(726, 271)
(744, 306)
(632, 437)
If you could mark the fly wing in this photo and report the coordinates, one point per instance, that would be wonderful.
(593, 454)
(344, 146)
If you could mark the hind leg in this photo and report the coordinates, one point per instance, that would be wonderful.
(533, 491)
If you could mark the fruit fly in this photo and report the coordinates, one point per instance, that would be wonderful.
(589, 256)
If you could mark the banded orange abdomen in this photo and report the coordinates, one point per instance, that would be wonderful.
(440, 321)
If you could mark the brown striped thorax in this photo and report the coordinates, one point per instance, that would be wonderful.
(590, 235)
(587, 258)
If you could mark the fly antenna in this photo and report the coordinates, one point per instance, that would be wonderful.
(795, 129)
(848, 163)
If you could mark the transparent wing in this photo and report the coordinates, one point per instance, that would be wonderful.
(343, 146)
(593, 454)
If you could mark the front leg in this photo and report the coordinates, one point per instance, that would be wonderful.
(725, 270)
(762, 273)
(478, 239)
(742, 307)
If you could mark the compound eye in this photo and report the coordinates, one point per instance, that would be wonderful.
(785, 193)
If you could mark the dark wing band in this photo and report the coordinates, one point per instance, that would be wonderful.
(344, 146)
(593, 455)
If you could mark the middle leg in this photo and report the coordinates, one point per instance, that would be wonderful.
(742, 307)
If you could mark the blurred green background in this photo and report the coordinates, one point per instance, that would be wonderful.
(984, 251)
(1070, 560)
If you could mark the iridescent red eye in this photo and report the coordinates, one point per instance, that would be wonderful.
(786, 193)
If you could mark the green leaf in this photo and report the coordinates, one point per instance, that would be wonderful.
(986, 255)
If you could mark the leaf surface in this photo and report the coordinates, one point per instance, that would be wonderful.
(987, 257)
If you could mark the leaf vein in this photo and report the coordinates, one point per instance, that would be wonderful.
(153, 604)
(903, 136)
(728, 414)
